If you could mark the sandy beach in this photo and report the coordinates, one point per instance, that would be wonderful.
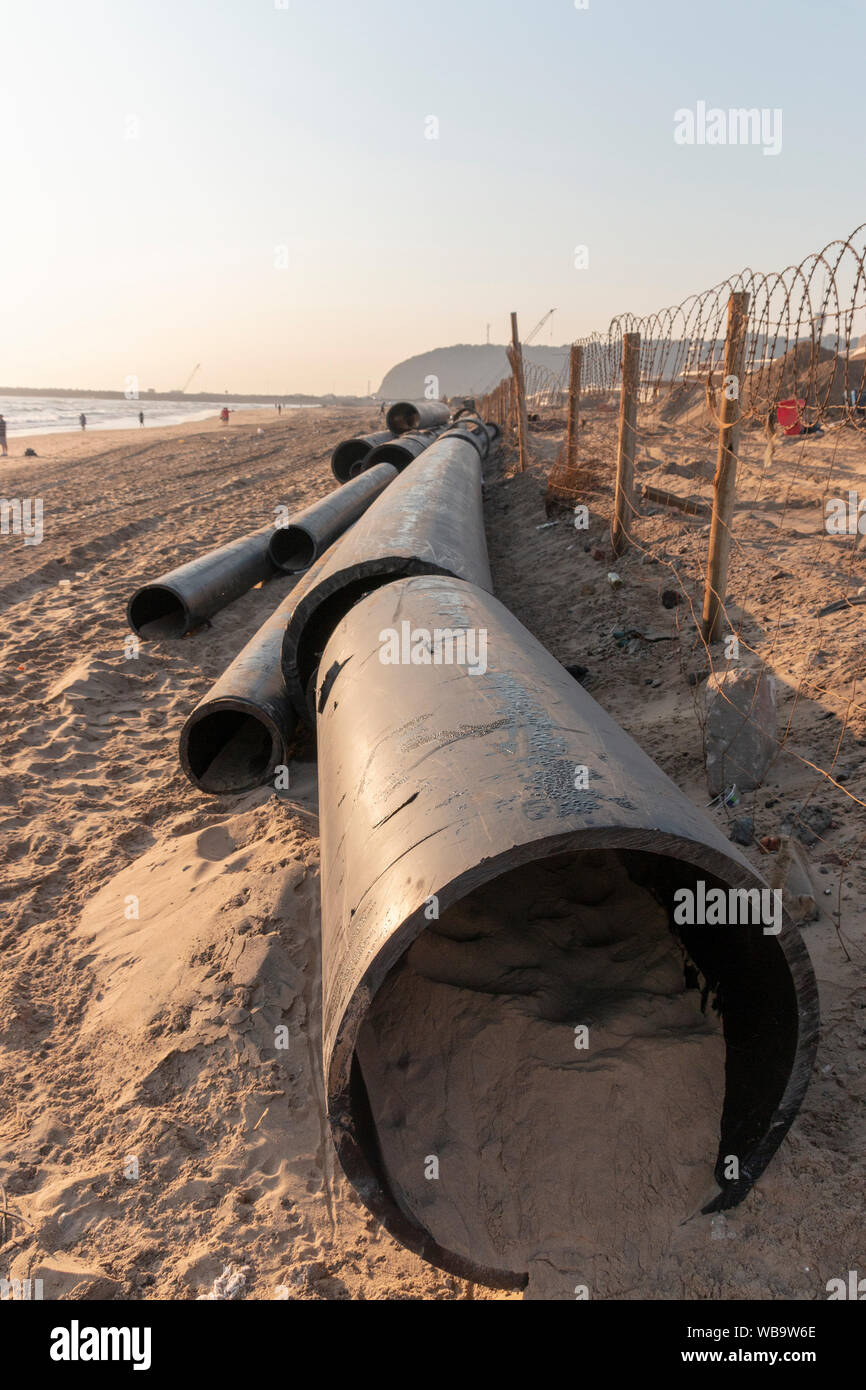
(153, 938)
(85, 444)
(137, 1046)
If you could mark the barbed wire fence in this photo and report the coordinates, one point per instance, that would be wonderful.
(764, 377)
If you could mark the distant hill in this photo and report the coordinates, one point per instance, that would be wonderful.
(471, 369)
(465, 369)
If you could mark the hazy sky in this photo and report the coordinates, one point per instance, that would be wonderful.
(162, 161)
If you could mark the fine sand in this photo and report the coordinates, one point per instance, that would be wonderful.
(547, 1090)
(161, 1112)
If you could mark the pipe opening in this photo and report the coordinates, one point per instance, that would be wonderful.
(157, 612)
(348, 457)
(231, 750)
(292, 549)
(402, 417)
(395, 453)
(554, 1076)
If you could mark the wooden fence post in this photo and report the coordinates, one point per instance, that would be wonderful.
(573, 423)
(725, 481)
(516, 359)
(624, 504)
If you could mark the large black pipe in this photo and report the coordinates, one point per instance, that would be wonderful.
(437, 779)
(294, 547)
(416, 415)
(186, 597)
(239, 733)
(428, 521)
(401, 449)
(351, 453)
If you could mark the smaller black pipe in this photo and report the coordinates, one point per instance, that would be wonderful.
(350, 453)
(474, 430)
(238, 735)
(186, 597)
(416, 415)
(294, 547)
(403, 449)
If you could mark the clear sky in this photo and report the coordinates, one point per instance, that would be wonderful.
(252, 187)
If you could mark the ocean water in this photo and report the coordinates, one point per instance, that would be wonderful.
(57, 414)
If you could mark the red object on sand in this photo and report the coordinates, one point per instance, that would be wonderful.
(788, 413)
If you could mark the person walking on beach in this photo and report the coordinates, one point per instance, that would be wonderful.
(3, 448)
(224, 414)
(141, 417)
(82, 420)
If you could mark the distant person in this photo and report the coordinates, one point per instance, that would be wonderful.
(3, 448)
(279, 408)
(224, 414)
(141, 417)
(82, 420)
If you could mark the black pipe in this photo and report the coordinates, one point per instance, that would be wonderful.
(186, 597)
(437, 779)
(472, 428)
(416, 415)
(294, 547)
(350, 453)
(401, 449)
(239, 733)
(428, 521)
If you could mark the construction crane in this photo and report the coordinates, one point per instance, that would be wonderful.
(190, 377)
(537, 329)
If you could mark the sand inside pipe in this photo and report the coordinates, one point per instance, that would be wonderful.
(576, 1167)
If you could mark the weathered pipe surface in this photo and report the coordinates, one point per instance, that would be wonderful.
(186, 597)
(428, 521)
(434, 781)
(416, 415)
(471, 427)
(403, 449)
(350, 453)
(239, 733)
(294, 547)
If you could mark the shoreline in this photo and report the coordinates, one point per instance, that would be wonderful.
(71, 444)
(119, 426)
(102, 429)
